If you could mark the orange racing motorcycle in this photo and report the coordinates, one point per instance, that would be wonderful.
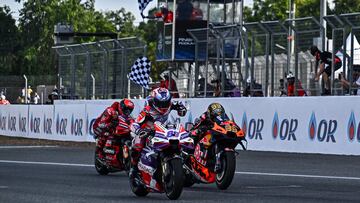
(214, 157)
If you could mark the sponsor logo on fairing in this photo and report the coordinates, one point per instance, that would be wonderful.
(324, 131)
(254, 128)
(284, 128)
(353, 128)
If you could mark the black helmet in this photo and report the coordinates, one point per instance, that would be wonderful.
(214, 110)
(313, 50)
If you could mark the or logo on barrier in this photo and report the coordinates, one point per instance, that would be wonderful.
(254, 128)
(61, 125)
(324, 131)
(244, 123)
(286, 128)
(91, 131)
(22, 123)
(47, 125)
(76, 126)
(352, 130)
(2, 122)
(34, 124)
(12, 123)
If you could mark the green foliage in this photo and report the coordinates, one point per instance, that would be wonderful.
(346, 6)
(266, 10)
(9, 43)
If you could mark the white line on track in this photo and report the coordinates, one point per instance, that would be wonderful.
(45, 163)
(298, 175)
(23, 147)
(237, 172)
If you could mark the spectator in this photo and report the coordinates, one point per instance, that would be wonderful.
(355, 83)
(169, 83)
(197, 13)
(323, 59)
(184, 10)
(283, 92)
(36, 98)
(256, 90)
(230, 88)
(165, 14)
(201, 88)
(3, 100)
(52, 97)
(291, 86)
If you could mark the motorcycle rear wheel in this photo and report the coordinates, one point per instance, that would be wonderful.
(225, 177)
(174, 187)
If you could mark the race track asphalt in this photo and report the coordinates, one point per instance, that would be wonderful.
(62, 174)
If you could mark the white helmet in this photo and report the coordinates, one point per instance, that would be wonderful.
(290, 75)
(163, 5)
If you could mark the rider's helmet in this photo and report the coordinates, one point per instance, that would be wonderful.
(214, 110)
(313, 50)
(126, 106)
(161, 100)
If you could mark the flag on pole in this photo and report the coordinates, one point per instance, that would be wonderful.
(142, 5)
(140, 72)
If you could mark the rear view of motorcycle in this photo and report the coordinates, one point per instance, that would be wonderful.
(115, 155)
(161, 165)
(214, 158)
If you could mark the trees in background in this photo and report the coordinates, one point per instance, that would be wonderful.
(9, 40)
(25, 46)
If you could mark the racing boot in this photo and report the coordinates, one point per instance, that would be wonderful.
(134, 171)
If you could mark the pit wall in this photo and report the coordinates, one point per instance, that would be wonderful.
(327, 125)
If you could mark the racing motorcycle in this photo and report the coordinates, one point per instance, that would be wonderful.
(214, 157)
(160, 164)
(115, 153)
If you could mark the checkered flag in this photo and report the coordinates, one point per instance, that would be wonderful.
(142, 5)
(140, 72)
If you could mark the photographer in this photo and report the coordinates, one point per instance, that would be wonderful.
(355, 83)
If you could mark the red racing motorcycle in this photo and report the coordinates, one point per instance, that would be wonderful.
(115, 155)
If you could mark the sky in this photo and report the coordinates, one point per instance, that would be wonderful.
(102, 5)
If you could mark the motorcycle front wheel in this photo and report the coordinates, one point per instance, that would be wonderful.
(100, 168)
(137, 188)
(225, 177)
(174, 179)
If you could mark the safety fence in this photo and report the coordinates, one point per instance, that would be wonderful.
(302, 125)
(266, 52)
(98, 70)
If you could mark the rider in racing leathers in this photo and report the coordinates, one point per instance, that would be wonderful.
(215, 112)
(158, 108)
(116, 114)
